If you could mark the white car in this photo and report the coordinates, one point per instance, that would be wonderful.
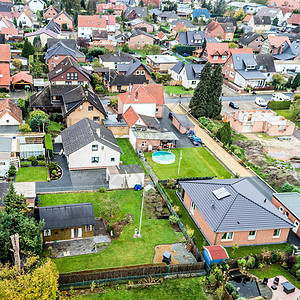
(260, 102)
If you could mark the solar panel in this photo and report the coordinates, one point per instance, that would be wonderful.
(221, 193)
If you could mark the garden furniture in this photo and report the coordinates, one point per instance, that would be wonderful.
(288, 288)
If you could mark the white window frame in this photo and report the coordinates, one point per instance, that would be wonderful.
(252, 237)
(88, 228)
(276, 236)
(227, 236)
(94, 147)
(144, 144)
(142, 72)
(231, 74)
(47, 232)
(137, 72)
(95, 160)
(215, 57)
(192, 208)
(286, 213)
(281, 209)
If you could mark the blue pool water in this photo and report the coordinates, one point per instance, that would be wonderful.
(163, 157)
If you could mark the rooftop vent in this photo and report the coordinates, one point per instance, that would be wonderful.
(221, 193)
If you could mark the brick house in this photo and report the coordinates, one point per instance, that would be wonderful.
(215, 53)
(118, 8)
(64, 18)
(135, 12)
(274, 44)
(265, 121)
(161, 63)
(138, 38)
(141, 24)
(50, 12)
(287, 204)
(251, 40)
(5, 78)
(224, 31)
(231, 211)
(182, 123)
(10, 114)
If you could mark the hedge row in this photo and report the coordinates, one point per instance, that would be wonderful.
(276, 105)
(48, 144)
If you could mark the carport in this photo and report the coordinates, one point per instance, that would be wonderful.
(22, 80)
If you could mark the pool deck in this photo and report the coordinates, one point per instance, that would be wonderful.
(279, 293)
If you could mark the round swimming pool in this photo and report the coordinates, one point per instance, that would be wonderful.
(163, 157)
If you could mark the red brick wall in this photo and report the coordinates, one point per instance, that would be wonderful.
(160, 112)
(61, 20)
(154, 143)
(227, 69)
(51, 13)
(137, 42)
(52, 62)
(63, 77)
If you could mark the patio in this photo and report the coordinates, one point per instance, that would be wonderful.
(279, 293)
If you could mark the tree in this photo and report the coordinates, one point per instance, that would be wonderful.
(28, 49)
(198, 103)
(141, 3)
(110, 11)
(275, 21)
(24, 128)
(214, 104)
(209, 6)
(17, 64)
(125, 48)
(296, 81)
(70, 6)
(37, 68)
(14, 202)
(20, 24)
(109, 209)
(151, 5)
(37, 43)
(277, 79)
(232, 46)
(39, 121)
(15, 22)
(38, 280)
(239, 15)
(220, 7)
(91, 7)
(83, 42)
(23, 104)
(224, 133)
(295, 109)
(96, 51)
(82, 4)
(76, 18)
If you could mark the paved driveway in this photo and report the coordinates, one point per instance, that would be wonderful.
(297, 133)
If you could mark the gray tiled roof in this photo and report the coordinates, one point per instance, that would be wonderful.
(227, 20)
(130, 169)
(83, 133)
(131, 67)
(265, 20)
(66, 216)
(291, 201)
(183, 120)
(60, 49)
(244, 209)
(140, 11)
(290, 52)
(192, 71)
(116, 57)
(189, 37)
(248, 37)
(187, 23)
(267, 61)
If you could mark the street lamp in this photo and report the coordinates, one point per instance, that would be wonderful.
(180, 158)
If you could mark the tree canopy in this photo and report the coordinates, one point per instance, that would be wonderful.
(39, 121)
(71, 6)
(296, 81)
(224, 133)
(14, 202)
(28, 49)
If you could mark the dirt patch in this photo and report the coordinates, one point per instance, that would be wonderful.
(155, 206)
(159, 251)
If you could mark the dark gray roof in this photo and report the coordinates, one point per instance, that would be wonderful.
(262, 20)
(131, 67)
(227, 27)
(71, 43)
(5, 144)
(244, 209)
(267, 61)
(183, 120)
(189, 37)
(169, 15)
(136, 32)
(126, 80)
(151, 122)
(155, 11)
(5, 7)
(60, 49)
(130, 169)
(231, 20)
(253, 74)
(291, 201)
(140, 11)
(296, 30)
(192, 71)
(290, 52)
(116, 57)
(83, 133)
(248, 37)
(295, 37)
(66, 216)
(4, 187)
(53, 26)
(178, 67)
(99, 35)
(241, 60)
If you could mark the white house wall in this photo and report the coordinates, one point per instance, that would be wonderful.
(132, 139)
(146, 109)
(239, 80)
(10, 119)
(283, 65)
(36, 5)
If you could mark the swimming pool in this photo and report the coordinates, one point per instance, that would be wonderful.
(163, 157)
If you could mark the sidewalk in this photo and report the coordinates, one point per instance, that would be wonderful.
(214, 147)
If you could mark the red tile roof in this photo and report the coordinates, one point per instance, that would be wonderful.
(290, 3)
(12, 31)
(105, 6)
(4, 53)
(217, 49)
(247, 18)
(96, 21)
(7, 106)
(277, 41)
(217, 252)
(161, 35)
(178, 27)
(23, 75)
(241, 51)
(294, 19)
(131, 116)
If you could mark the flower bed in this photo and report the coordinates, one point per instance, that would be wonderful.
(55, 171)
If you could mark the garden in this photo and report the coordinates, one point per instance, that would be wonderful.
(178, 90)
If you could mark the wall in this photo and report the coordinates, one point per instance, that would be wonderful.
(61, 79)
(154, 143)
(7, 117)
(182, 129)
(53, 62)
(44, 37)
(160, 111)
(132, 139)
(256, 44)
(227, 68)
(147, 109)
(51, 13)
(63, 19)
(119, 131)
(137, 42)
(283, 65)
(79, 114)
(121, 181)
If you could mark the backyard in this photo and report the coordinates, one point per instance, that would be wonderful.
(196, 162)
(288, 115)
(177, 90)
(28, 174)
(126, 251)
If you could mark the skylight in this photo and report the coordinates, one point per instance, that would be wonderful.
(221, 193)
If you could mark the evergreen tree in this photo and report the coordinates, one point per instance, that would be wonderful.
(14, 202)
(275, 22)
(15, 22)
(214, 105)
(209, 6)
(204, 4)
(141, 3)
(125, 48)
(296, 81)
(82, 4)
(20, 24)
(224, 133)
(220, 7)
(76, 18)
(37, 43)
(198, 103)
(28, 49)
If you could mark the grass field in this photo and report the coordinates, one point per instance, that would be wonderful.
(288, 115)
(32, 174)
(126, 251)
(177, 90)
(183, 288)
(196, 162)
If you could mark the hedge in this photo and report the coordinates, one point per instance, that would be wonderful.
(278, 105)
(181, 49)
(49, 145)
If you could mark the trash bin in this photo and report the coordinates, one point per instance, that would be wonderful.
(167, 257)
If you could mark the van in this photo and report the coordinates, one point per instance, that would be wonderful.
(280, 97)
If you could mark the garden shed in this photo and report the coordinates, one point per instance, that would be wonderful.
(214, 254)
(28, 190)
(27, 150)
(182, 123)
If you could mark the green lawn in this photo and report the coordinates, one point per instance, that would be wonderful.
(55, 126)
(183, 288)
(32, 174)
(186, 219)
(126, 251)
(251, 250)
(129, 156)
(270, 271)
(177, 90)
(288, 115)
(196, 162)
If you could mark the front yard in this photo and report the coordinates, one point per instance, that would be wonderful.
(177, 90)
(196, 162)
(288, 115)
(126, 251)
(29, 174)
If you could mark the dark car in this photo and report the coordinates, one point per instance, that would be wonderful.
(234, 105)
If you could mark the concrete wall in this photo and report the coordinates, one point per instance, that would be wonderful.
(121, 181)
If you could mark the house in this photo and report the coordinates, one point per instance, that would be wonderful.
(117, 125)
(186, 75)
(102, 8)
(224, 31)
(12, 34)
(142, 25)
(5, 78)
(25, 19)
(67, 222)
(187, 24)
(167, 16)
(214, 254)
(69, 72)
(227, 20)
(5, 155)
(10, 114)
(137, 39)
(252, 8)
(43, 33)
(6, 6)
(73, 102)
(247, 19)
(191, 38)
(125, 176)
(146, 99)
(266, 66)
(215, 53)
(161, 63)
(111, 59)
(201, 13)
(182, 123)
(231, 211)
(50, 12)
(22, 80)
(251, 40)
(266, 121)
(64, 20)
(89, 145)
(135, 67)
(161, 36)
(86, 24)
(242, 69)
(272, 13)
(274, 44)
(156, 2)
(36, 5)
(294, 20)
(288, 205)
(28, 190)
(260, 24)
(57, 53)
(180, 27)
(288, 59)
(53, 26)
(135, 12)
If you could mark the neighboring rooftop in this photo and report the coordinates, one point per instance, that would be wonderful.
(163, 59)
(291, 201)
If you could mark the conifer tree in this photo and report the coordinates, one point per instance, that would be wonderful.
(224, 133)
(14, 202)
(214, 104)
(28, 49)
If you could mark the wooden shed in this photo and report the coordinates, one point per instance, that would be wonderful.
(22, 80)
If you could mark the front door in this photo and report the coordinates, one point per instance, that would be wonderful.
(76, 233)
(295, 229)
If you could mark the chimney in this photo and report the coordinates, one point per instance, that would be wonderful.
(98, 132)
(130, 88)
(280, 50)
(86, 92)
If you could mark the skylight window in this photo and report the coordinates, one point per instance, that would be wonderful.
(221, 193)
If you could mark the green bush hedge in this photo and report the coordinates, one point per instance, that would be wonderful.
(181, 49)
(277, 105)
(49, 145)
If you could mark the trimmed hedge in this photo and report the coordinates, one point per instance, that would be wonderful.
(181, 49)
(48, 144)
(278, 105)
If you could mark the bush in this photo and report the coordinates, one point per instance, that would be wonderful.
(287, 187)
(204, 121)
(230, 287)
(34, 162)
(291, 261)
(40, 157)
(52, 166)
(298, 274)
(25, 128)
(12, 167)
(241, 262)
(11, 172)
(182, 49)
(102, 190)
(31, 158)
(251, 262)
(99, 89)
(212, 280)
(276, 105)
(25, 164)
(173, 219)
(41, 163)
(49, 145)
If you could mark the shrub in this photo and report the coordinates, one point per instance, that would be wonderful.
(34, 162)
(212, 280)
(41, 163)
(287, 187)
(190, 231)
(294, 269)
(40, 157)
(241, 262)
(52, 166)
(31, 158)
(291, 260)
(204, 121)
(25, 128)
(173, 219)
(11, 172)
(251, 262)
(102, 190)
(99, 89)
(12, 167)
(171, 183)
(49, 145)
(230, 287)
(54, 172)
(298, 274)
(25, 164)
(277, 105)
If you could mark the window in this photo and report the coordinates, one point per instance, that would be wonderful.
(192, 209)
(76, 232)
(137, 72)
(286, 214)
(231, 74)
(76, 76)
(72, 75)
(228, 65)
(142, 72)
(281, 209)
(47, 232)
(90, 108)
(95, 160)
(68, 75)
(193, 81)
(94, 147)
(144, 144)
(80, 82)
(112, 159)
(258, 46)
(226, 72)
(102, 147)
(156, 110)
(7, 121)
(227, 236)
(56, 57)
(1, 75)
(88, 228)
(68, 82)
(276, 233)
(215, 57)
(252, 235)
(224, 56)
(96, 119)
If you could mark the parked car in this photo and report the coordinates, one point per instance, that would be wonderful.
(279, 97)
(234, 105)
(260, 102)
